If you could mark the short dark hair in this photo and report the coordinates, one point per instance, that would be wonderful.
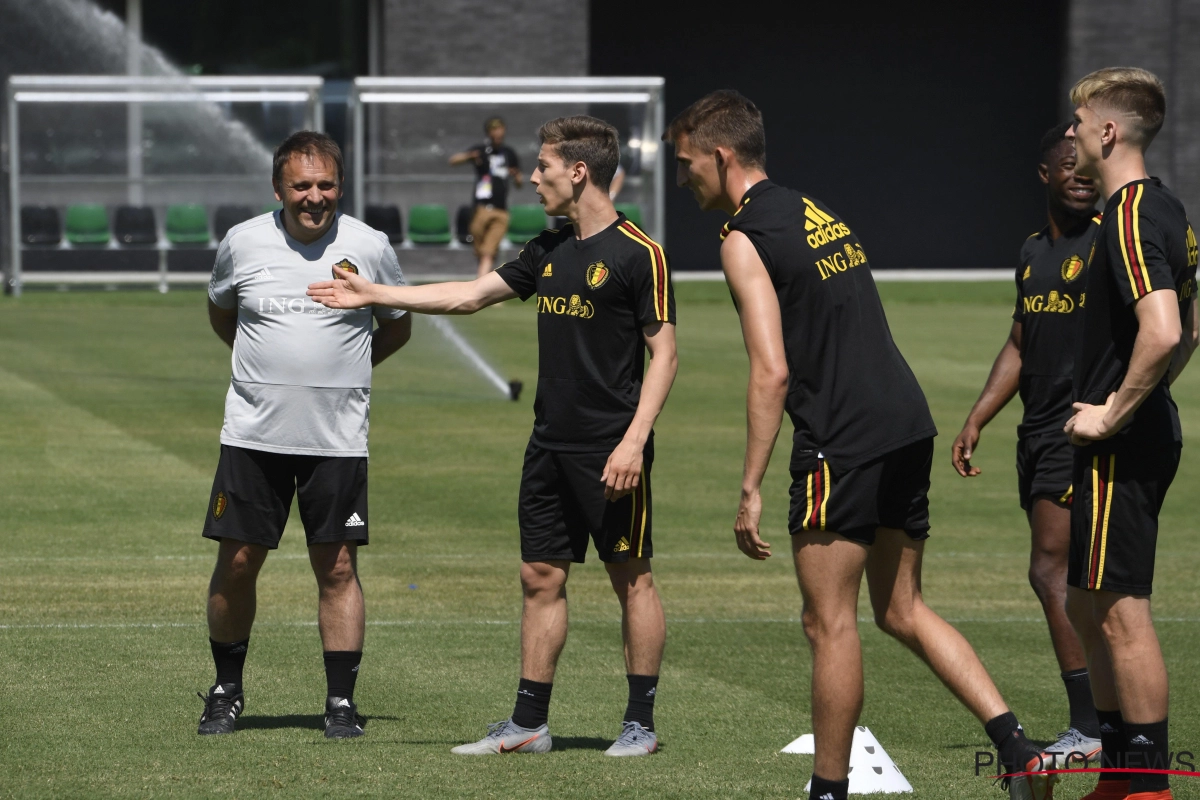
(723, 118)
(587, 139)
(311, 144)
(1052, 139)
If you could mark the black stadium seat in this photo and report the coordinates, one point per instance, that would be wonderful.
(40, 225)
(228, 216)
(462, 224)
(135, 225)
(386, 219)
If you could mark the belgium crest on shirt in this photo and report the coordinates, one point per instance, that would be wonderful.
(347, 266)
(597, 275)
(1071, 268)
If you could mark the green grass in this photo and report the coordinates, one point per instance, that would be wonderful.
(110, 407)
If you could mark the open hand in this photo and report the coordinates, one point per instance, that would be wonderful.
(745, 527)
(347, 291)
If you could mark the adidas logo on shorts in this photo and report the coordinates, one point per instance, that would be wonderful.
(354, 521)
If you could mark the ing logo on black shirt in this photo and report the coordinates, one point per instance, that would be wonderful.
(561, 306)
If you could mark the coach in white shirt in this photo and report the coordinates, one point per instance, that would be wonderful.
(295, 418)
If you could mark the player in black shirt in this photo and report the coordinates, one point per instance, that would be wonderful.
(1139, 329)
(1037, 360)
(820, 347)
(603, 298)
(495, 164)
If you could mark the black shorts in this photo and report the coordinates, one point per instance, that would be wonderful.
(891, 491)
(562, 504)
(1044, 467)
(252, 496)
(1114, 515)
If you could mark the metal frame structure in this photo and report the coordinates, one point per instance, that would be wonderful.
(25, 89)
(368, 92)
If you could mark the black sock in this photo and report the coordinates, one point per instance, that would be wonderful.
(1079, 697)
(229, 657)
(1146, 748)
(640, 709)
(533, 703)
(341, 672)
(821, 789)
(1014, 749)
(1112, 744)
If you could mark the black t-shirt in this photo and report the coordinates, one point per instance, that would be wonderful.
(491, 174)
(851, 395)
(1050, 292)
(594, 296)
(1144, 244)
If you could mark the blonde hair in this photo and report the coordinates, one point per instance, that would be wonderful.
(1134, 92)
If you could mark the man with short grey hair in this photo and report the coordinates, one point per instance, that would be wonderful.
(295, 418)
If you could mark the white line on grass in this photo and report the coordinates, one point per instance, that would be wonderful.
(405, 623)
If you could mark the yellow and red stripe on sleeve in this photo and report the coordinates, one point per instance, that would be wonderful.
(1129, 233)
(658, 268)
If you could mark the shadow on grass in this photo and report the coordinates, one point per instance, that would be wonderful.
(580, 743)
(265, 722)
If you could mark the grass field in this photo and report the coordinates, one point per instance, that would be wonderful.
(110, 407)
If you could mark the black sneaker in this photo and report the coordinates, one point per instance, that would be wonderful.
(224, 703)
(341, 719)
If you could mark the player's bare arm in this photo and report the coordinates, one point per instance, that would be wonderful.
(223, 322)
(456, 297)
(762, 329)
(389, 336)
(1187, 343)
(1158, 338)
(623, 470)
(1002, 384)
(464, 157)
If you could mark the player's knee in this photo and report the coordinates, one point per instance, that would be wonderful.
(335, 571)
(238, 564)
(541, 579)
(896, 621)
(827, 624)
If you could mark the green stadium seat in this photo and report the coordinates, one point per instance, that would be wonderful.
(87, 224)
(187, 224)
(632, 212)
(429, 224)
(525, 222)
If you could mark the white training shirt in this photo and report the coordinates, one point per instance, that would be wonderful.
(301, 379)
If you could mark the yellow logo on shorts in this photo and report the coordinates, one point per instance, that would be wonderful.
(597, 275)
(548, 272)
(220, 503)
(346, 265)
(621, 546)
(1071, 268)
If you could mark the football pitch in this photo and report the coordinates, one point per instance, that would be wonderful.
(110, 408)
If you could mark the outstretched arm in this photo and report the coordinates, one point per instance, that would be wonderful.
(1158, 338)
(464, 157)
(1002, 384)
(456, 297)
(762, 329)
(623, 470)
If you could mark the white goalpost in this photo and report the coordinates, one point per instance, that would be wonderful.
(99, 194)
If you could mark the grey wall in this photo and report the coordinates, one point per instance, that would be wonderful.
(485, 37)
(1158, 35)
